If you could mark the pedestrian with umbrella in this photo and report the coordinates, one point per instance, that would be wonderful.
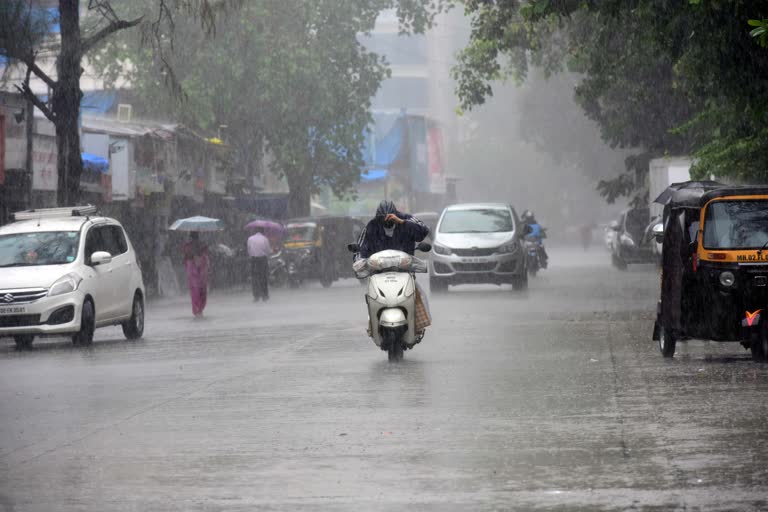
(196, 259)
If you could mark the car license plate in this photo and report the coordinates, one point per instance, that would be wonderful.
(473, 260)
(12, 310)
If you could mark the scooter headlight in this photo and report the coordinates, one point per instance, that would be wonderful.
(727, 278)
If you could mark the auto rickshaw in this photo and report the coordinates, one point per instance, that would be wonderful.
(714, 283)
(314, 248)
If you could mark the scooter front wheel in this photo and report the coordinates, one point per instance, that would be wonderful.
(395, 352)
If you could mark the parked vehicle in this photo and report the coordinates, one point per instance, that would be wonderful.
(278, 271)
(67, 271)
(714, 282)
(629, 245)
(478, 243)
(313, 249)
(392, 297)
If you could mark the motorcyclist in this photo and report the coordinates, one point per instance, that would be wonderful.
(537, 234)
(391, 229)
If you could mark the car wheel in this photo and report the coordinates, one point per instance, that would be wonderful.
(134, 327)
(520, 283)
(87, 325)
(759, 346)
(437, 285)
(618, 262)
(24, 341)
(667, 343)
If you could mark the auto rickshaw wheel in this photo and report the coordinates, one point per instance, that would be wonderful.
(667, 342)
(759, 347)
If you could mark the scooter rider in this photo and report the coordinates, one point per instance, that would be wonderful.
(537, 234)
(391, 229)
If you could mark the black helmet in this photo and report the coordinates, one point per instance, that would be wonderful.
(528, 215)
(385, 208)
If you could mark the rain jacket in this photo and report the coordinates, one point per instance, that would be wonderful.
(405, 237)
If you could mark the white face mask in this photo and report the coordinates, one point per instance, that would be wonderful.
(389, 231)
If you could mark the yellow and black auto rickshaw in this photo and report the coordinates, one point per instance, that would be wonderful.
(315, 248)
(714, 283)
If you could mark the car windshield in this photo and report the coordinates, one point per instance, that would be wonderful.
(39, 248)
(300, 233)
(736, 225)
(485, 220)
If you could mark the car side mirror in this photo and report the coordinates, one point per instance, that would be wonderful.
(100, 258)
(658, 232)
(614, 226)
(354, 248)
(424, 247)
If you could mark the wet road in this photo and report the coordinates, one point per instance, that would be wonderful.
(556, 399)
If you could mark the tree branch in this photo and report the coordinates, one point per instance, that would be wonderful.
(27, 93)
(42, 75)
(89, 42)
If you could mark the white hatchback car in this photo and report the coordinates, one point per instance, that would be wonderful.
(65, 271)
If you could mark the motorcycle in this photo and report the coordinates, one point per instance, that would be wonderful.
(534, 249)
(391, 297)
(278, 273)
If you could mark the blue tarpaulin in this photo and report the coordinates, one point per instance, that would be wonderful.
(95, 163)
(374, 175)
(93, 102)
(48, 15)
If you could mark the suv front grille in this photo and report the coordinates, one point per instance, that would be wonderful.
(474, 252)
(22, 296)
(19, 320)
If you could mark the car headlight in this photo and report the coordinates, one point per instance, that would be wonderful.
(441, 249)
(507, 248)
(627, 240)
(727, 278)
(65, 284)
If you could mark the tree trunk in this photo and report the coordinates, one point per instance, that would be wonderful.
(299, 194)
(65, 103)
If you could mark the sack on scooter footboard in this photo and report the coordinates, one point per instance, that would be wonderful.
(423, 318)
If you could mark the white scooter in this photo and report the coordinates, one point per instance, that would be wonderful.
(391, 297)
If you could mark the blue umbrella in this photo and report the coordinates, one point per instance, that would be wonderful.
(197, 223)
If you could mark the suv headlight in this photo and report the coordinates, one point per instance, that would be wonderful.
(507, 248)
(441, 249)
(65, 284)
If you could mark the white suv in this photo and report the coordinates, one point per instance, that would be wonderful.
(64, 271)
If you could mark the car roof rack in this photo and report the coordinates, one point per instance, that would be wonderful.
(48, 213)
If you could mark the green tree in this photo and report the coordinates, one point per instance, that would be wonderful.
(290, 78)
(660, 77)
(24, 31)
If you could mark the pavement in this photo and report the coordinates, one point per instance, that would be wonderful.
(554, 399)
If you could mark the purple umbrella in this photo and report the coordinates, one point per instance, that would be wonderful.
(267, 225)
